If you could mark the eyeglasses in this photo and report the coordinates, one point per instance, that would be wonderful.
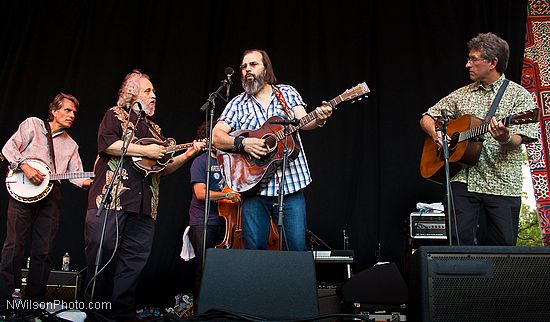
(474, 60)
(252, 64)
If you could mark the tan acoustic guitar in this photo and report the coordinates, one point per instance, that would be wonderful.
(465, 144)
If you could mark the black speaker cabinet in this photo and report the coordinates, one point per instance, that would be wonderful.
(267, 284)
(483, 283)
(380, 284)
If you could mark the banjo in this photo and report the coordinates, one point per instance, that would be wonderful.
(22, 189)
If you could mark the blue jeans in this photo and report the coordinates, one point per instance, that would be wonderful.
(256, 211)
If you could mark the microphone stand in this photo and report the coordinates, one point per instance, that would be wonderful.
(280, 197)
(314, 239)
(106, 200)
(209, 115)
(445, 146)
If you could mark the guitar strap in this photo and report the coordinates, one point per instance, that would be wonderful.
(50, 143)
(153, 131)
(281, 100)
(496, 101)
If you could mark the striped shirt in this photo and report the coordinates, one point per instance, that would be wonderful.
(498, 170)
(244, 112)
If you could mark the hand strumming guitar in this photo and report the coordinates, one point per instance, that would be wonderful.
(255, 147)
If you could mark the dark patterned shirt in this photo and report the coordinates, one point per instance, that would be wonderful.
(498, 170)
(133, 191)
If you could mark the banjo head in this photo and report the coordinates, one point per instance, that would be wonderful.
(21, 189)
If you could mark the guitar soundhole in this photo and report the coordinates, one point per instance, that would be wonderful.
(270, 142)
(454, 141)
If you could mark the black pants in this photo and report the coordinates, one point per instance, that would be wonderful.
(41, 220)
(214, 236)
(118, 281)
(501, 218)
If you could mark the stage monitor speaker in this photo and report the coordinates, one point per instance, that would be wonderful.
(267, 284)
(480, 283)
(380, 284)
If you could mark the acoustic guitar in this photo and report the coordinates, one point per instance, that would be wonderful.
(148, 165)
(22, 189)
(465, 144)
(243, 173)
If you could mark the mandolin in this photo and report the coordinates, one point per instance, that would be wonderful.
(148, 165)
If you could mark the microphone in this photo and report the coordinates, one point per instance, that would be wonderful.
(444, 119)
(228, 73)
(140, 108)
(293, 121)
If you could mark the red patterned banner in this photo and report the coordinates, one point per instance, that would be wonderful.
(536, 79)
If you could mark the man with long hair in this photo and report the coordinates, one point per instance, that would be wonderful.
(263, 98)
(131, 208)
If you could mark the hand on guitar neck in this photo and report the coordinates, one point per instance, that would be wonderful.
(256, 146)
(466, 140)
(502, 134)
(264, 147)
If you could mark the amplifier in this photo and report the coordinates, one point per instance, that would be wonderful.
(379, 313)
(62, 285)
(428, 226)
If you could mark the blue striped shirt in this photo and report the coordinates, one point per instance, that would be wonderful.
(244, 112)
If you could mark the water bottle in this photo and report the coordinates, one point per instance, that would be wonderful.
(16, 297)
(66, 262)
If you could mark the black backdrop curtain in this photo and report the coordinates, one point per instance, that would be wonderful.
(364, 162)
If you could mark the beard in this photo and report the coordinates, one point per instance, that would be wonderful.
(252, 87)
(147, 108)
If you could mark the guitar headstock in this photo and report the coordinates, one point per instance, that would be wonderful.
(530, 116)
(353, 94)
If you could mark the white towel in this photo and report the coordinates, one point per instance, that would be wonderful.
(187, 251)
(430, 207)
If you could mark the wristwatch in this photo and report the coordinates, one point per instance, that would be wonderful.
(14, 165)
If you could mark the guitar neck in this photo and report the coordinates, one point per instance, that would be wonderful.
(306, 119)
(71, 175)
(179, 147)
(481, 129)
(356, 93)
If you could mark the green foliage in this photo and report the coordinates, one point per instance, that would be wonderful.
(529, 233)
